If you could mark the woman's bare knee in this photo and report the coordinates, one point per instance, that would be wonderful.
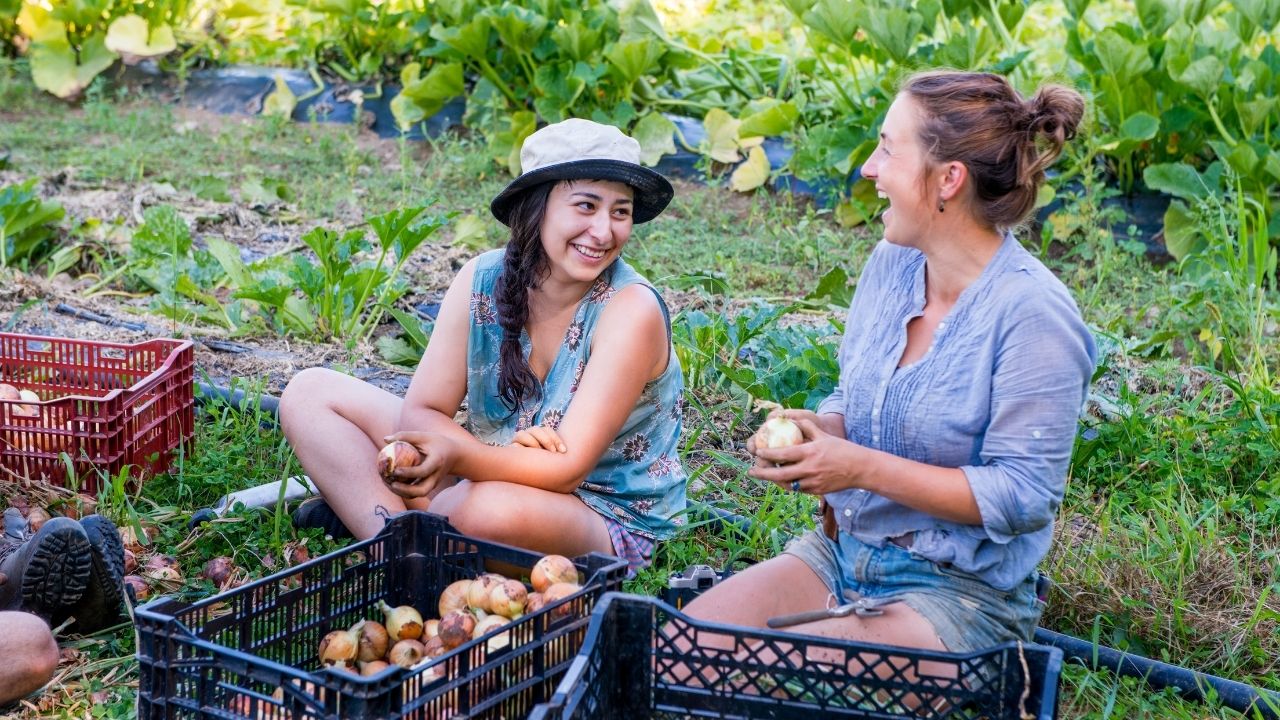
(304, 393)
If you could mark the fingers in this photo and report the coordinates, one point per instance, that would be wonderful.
(782, 456)
(526, 438)
(808, 428)
(411, 489)
(548, 439)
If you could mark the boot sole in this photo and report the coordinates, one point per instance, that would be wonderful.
(104, 595)
(58, 571)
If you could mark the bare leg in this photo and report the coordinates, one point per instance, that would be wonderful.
(335, 424)
(31, 655)
(540, 520)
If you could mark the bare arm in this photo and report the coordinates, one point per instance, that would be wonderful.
(628, 348)
(828, 463)
(440, 382)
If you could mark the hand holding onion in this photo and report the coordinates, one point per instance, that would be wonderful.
(435, 453)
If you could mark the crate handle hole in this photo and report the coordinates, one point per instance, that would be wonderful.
(39, 346)
(114, 354)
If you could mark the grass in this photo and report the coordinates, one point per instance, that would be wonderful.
(1167, 541)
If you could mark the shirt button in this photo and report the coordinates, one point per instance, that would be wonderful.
(942, 326)
(848, 512)
(875, 412)
(875, 438)
(1035, 433)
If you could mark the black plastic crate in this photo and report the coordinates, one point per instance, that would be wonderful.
(640, 661)
(251, 652)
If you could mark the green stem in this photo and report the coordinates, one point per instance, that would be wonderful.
(831, 74)
(368, 288)
(492, 76)
(1217, 122)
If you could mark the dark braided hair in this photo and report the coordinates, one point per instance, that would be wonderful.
(523, 268)
(1007, 142)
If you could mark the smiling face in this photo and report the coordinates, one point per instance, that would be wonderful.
(899, 167)
(586, 225)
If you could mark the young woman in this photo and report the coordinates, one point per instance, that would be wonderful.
(563, 356)
(942, 455)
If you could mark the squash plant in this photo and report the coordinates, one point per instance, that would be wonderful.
(27, 224)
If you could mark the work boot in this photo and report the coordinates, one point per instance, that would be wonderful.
(101, 603)
(46, 572)
(314, 512)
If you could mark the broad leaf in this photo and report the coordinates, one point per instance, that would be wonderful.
(751, 174)
(129, 35)
(281, 102)
(836, 19)
(893, 30)
(656, 135)
(722, 136)
(1140, 126)
(472, 39)
(1181, 231)
(775, 119)
(1123, 60)
(518, 28)
(1177, 179)
(422, 97)
(55, 68)
(634, 58)
(1203, 76)
(1156, 15)
(558, 89)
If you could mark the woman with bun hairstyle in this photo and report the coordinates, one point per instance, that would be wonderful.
(562, 354)
(941, 457)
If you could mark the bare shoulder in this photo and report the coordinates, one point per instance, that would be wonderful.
(636, 303)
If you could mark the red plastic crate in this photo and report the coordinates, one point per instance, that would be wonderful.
(105, 405)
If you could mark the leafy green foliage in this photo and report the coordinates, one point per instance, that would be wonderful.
(28, 225)
(341, 296)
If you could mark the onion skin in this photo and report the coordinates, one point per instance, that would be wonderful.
(218, 570)
(141, 590)
(454, 597)
(430, 629)
(779, 432)
(508, 599)
(478, 593)
(373, 640)
(373, 667)
(552, 569)
(533, 603)
(456, 628)
(36, 519)
(406, 653)
(338, 647)
(489, 624)
(398, 454)
(558, 592)
(403, 623)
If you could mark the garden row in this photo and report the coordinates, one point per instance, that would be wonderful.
(1186, 96)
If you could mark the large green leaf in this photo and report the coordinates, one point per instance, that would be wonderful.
(577, 41)
(519, 29)
(1123, 60)
(558, 89)
(836, 19)
(774, 118)
(472, 39)
(1179, 180)
(1156, 15)
(635, 58)
(1181, 231)
(1203, 76)
(282, 102)
(422, 97)
(56, 68)
(1140, 126)
(893, 30)
(1263, 14)
(656, 135)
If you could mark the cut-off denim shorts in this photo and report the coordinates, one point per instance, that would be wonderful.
(966, 613)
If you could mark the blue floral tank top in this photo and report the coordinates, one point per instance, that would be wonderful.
(639, 480)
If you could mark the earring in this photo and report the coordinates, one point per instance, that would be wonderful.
(942, 205)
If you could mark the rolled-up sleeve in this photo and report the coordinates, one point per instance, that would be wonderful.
(1043, 366)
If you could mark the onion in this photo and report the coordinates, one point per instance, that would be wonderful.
(456, 628)
(141, 590)
(28, 410)
(454, 597)
(373, 640)
(434, 647)
(493, 622)
(558, 592)
(478, 593)
(403, 623)
(406, 653)
(779, 432)
(218, 570)
(372, 667)
(533, 603)
(36, 519)
(9, 392)
(431, 629)
(552, 569)
(338, 647)
(398, 454)
(508, 599)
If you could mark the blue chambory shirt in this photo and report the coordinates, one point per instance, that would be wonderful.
(639, 480)
(997, 395)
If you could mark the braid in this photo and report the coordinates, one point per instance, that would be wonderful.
(523, 266)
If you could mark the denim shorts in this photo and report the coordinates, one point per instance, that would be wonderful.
(967, 613)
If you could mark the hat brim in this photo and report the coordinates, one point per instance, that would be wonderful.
(653, 191)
